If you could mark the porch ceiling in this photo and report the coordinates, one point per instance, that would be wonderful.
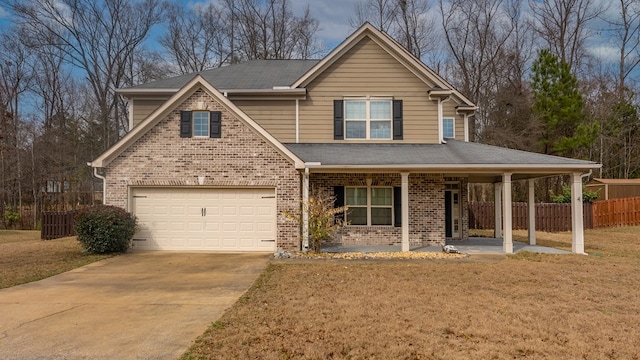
(481, 163)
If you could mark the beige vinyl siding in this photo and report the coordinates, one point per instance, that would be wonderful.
(144, 107)
(278, 117)
(368, 70)
(449, 111)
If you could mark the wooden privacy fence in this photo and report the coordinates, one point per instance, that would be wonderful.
(57, 224)
(616, 212)
(549, 217)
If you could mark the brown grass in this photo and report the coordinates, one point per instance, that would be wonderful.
(481, 307)
(25, 258)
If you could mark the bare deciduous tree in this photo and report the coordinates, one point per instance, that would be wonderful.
(407, 21)
(98, 37)
(15, 76)
(197, 37)
(380, 13)
(268, 29)
(477, 34)
(627, 29)
(563, 26)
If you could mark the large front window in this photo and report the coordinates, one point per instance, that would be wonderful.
(368, 118)
(369, 205)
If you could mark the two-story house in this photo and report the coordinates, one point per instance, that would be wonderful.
(212, 160)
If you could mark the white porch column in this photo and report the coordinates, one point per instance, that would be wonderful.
(507, 242)
(305, 210)
(531, 223)
(497, 204)
(405, 211)
(577, 224)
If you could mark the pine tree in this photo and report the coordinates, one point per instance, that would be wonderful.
(559, 106)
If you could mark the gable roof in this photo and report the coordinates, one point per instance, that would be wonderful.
(197, 82)
(386, 42)
(249, 75)
(282, 75)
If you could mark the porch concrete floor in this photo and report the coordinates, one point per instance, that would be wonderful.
(475, 245)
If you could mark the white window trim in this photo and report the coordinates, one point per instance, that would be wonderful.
(369, 206)
(367, 118)
(453, 121)
(193, 124)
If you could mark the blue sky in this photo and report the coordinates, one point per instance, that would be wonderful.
(334, 15)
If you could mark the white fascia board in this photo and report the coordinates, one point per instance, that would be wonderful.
(468, 168)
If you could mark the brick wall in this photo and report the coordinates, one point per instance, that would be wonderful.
(239, 158)
(426, 208)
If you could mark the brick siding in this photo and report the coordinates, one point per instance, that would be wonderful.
(240, 158)
(426, 208)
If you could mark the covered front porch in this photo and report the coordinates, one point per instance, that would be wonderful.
(418, 175)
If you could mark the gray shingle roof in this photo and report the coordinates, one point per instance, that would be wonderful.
(255, 74)
(453, 153)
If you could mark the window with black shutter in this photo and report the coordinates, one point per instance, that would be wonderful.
(185, 124)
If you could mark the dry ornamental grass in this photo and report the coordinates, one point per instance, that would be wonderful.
(526, 305)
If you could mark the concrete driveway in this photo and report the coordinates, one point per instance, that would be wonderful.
(146, 305)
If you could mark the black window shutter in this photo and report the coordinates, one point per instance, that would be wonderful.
(338, 193)
(338, 120)
(215, 124)
(185, 124)
(397, 119)
(397, 206)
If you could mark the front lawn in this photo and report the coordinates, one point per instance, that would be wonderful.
(25, 258)
(481, 307)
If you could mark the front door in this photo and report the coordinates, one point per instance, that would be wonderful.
(452, 213)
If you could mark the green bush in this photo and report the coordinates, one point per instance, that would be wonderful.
(565, 196)
(105, 229)
(11, 216)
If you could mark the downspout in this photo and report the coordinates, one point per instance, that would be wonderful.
(297, 121)
(305, 210)
(104, 184)
(585, 175)
(440, 131)
(129, 110)
(466, 127)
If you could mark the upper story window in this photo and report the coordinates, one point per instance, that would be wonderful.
(368, 118)
(201, 123)
(448, 128)
(369, 205)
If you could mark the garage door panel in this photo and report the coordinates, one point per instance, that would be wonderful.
(229, 211)
(247, 210)
(246, 227)
(232, 219)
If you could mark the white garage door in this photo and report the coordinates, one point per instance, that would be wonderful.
(205, 219)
